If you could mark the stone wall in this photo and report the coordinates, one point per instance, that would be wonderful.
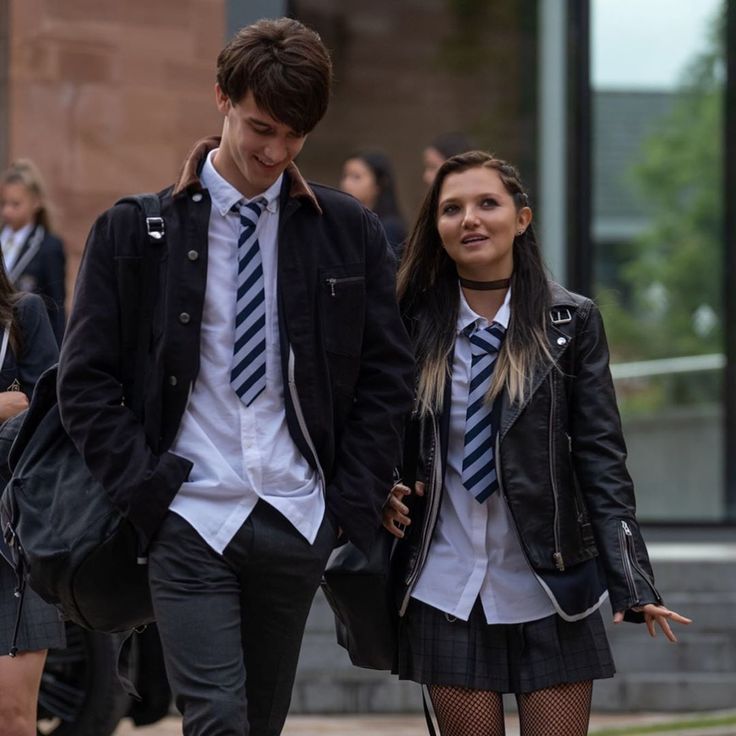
(107, 97)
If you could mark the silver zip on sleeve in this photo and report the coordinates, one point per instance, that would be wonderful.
(624, 535)
(300, 419)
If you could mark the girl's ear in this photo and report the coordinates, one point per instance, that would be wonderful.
(523, 218)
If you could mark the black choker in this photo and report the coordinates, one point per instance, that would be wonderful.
(485, 285)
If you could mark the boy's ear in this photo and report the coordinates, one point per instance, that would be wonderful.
(222, 100)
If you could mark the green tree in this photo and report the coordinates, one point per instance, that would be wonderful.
(675, 302)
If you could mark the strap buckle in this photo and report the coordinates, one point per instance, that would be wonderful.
(560, 316)
(155, 227)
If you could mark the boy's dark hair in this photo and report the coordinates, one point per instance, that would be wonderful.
(286, 67)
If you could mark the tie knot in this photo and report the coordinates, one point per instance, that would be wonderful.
(251, 211)
(486, 339)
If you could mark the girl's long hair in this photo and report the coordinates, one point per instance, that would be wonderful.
(25, 172)
(427, 285)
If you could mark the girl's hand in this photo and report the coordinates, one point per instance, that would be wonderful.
(395, 511)
(12, 403)
(659, 615)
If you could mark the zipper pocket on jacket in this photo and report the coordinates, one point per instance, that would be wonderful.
(433, 493)
(301, 421)
(626, 541)
(557, 556)
(332, 282)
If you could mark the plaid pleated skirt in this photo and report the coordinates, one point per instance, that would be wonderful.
(437, 649)
(41, 626)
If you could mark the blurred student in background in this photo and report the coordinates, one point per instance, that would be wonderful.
(369, 177)
(33, 255)
(440, 149)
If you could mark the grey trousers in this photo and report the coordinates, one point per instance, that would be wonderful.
(231, 625)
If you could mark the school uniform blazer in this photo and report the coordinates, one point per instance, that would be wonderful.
(40, 268)
(347, 362)
(38, 350)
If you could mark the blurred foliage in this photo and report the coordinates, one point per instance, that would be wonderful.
(673, 301)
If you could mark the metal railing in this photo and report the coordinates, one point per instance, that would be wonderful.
(666, 366)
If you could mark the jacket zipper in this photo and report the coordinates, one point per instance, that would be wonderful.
(300, 419)
(634, 562)
(430, 520)
(626, 540)
(557, 556)
(332, 282)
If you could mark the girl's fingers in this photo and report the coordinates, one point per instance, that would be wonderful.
(650, 626)
(419, 488)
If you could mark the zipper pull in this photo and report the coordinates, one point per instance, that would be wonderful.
(559, 562)
(626, 529)
(332, 283)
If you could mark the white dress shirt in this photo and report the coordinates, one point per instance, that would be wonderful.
(240, 453)
(12, 242)
(475, 551)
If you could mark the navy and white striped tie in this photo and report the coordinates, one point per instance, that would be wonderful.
(479, 467)
(248, 374)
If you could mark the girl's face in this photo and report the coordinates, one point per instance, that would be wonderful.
(477, 221)
(358, 180)
(18, 205)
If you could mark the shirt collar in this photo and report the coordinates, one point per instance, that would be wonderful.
(468, 317)
(225, 196)
(19, 236)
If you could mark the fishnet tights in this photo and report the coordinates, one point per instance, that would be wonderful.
(558, 711)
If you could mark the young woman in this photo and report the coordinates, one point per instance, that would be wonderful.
(524, 521)
(369, 177)
(34, 256)
(27, 348)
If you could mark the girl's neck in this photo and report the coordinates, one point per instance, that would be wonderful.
(485, 303)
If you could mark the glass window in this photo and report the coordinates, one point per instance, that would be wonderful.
(658, 91)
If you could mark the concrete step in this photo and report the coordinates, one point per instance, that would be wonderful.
(665, 691)
(694, 652)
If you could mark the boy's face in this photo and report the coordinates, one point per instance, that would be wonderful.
(255, 148)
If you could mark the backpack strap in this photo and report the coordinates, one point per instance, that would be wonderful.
(155, 230)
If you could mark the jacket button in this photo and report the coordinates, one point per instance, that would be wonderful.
(184, 318)
(197, 197)
(561, 340)
(192, 255)
(172, 381)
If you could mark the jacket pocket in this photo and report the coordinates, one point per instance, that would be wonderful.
(342, 309)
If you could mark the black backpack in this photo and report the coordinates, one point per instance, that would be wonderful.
(68, 541)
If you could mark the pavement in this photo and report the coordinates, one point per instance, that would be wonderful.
(631, 724)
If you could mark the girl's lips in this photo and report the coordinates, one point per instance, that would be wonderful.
(468, 239)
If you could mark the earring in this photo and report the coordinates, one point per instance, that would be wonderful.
(519, 233)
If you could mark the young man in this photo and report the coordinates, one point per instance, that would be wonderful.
(277, 377)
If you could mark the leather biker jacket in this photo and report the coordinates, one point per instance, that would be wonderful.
(560, 458)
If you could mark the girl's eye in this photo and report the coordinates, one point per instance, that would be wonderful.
(489, 202)
(449, 209)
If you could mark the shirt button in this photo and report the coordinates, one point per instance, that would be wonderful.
(184, 318)
(172, 381)
(192, 255)
(561, 340)
(197, 197)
